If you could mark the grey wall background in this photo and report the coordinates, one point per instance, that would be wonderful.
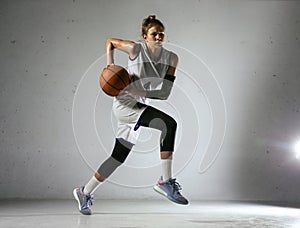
(252, 47)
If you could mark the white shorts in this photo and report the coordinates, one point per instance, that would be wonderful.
(127, 117)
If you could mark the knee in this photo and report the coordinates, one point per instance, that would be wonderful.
(171, 124)
(121, 150)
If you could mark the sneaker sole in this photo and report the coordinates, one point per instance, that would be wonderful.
(76, 198)
(160, 191)
(78, 201)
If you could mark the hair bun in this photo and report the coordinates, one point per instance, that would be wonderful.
(151, 17)
(150, 21)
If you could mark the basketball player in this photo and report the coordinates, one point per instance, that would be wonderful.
(152, 70)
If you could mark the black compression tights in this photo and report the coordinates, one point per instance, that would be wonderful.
(159, 120)
(152, 118)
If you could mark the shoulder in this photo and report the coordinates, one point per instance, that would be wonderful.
(174, 56)
(133, 54)
(174, 59)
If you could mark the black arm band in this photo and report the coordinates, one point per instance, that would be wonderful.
(170, 77)
(165, 90)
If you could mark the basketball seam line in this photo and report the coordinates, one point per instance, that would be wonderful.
(118, 76)
(110, 84)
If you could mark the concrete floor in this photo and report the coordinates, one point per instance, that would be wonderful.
(134, 214)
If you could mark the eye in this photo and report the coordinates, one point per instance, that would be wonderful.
(160, 34)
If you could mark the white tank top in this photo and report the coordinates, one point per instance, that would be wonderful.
(146, 74)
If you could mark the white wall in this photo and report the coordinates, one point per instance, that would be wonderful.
(239, 69)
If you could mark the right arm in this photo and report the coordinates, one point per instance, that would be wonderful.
(127, 46)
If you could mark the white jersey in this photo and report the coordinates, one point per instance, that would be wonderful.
(146, 74)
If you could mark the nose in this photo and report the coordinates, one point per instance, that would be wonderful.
(159, 36)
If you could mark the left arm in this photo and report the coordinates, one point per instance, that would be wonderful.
(169, 79)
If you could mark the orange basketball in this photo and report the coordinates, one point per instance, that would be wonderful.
(114, 79)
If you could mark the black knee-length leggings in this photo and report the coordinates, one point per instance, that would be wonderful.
(153, 118)
(159, 120)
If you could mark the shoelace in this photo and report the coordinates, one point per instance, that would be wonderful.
(176, 186)
(89, 199)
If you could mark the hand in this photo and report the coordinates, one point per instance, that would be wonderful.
(111, 64)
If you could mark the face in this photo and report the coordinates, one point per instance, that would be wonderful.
(155, 36)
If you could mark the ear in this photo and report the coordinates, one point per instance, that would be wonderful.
(144, 36)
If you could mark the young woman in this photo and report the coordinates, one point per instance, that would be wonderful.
(152, 70)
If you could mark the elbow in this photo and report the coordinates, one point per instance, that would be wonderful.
(165, 94)
(108, 41)
(109, 44)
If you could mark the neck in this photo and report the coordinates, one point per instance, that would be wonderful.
(154, 51)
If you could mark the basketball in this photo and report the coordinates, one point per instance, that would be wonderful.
(114, 79)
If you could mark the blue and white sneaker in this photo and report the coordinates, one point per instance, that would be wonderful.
(170, 189)
(84, 201)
